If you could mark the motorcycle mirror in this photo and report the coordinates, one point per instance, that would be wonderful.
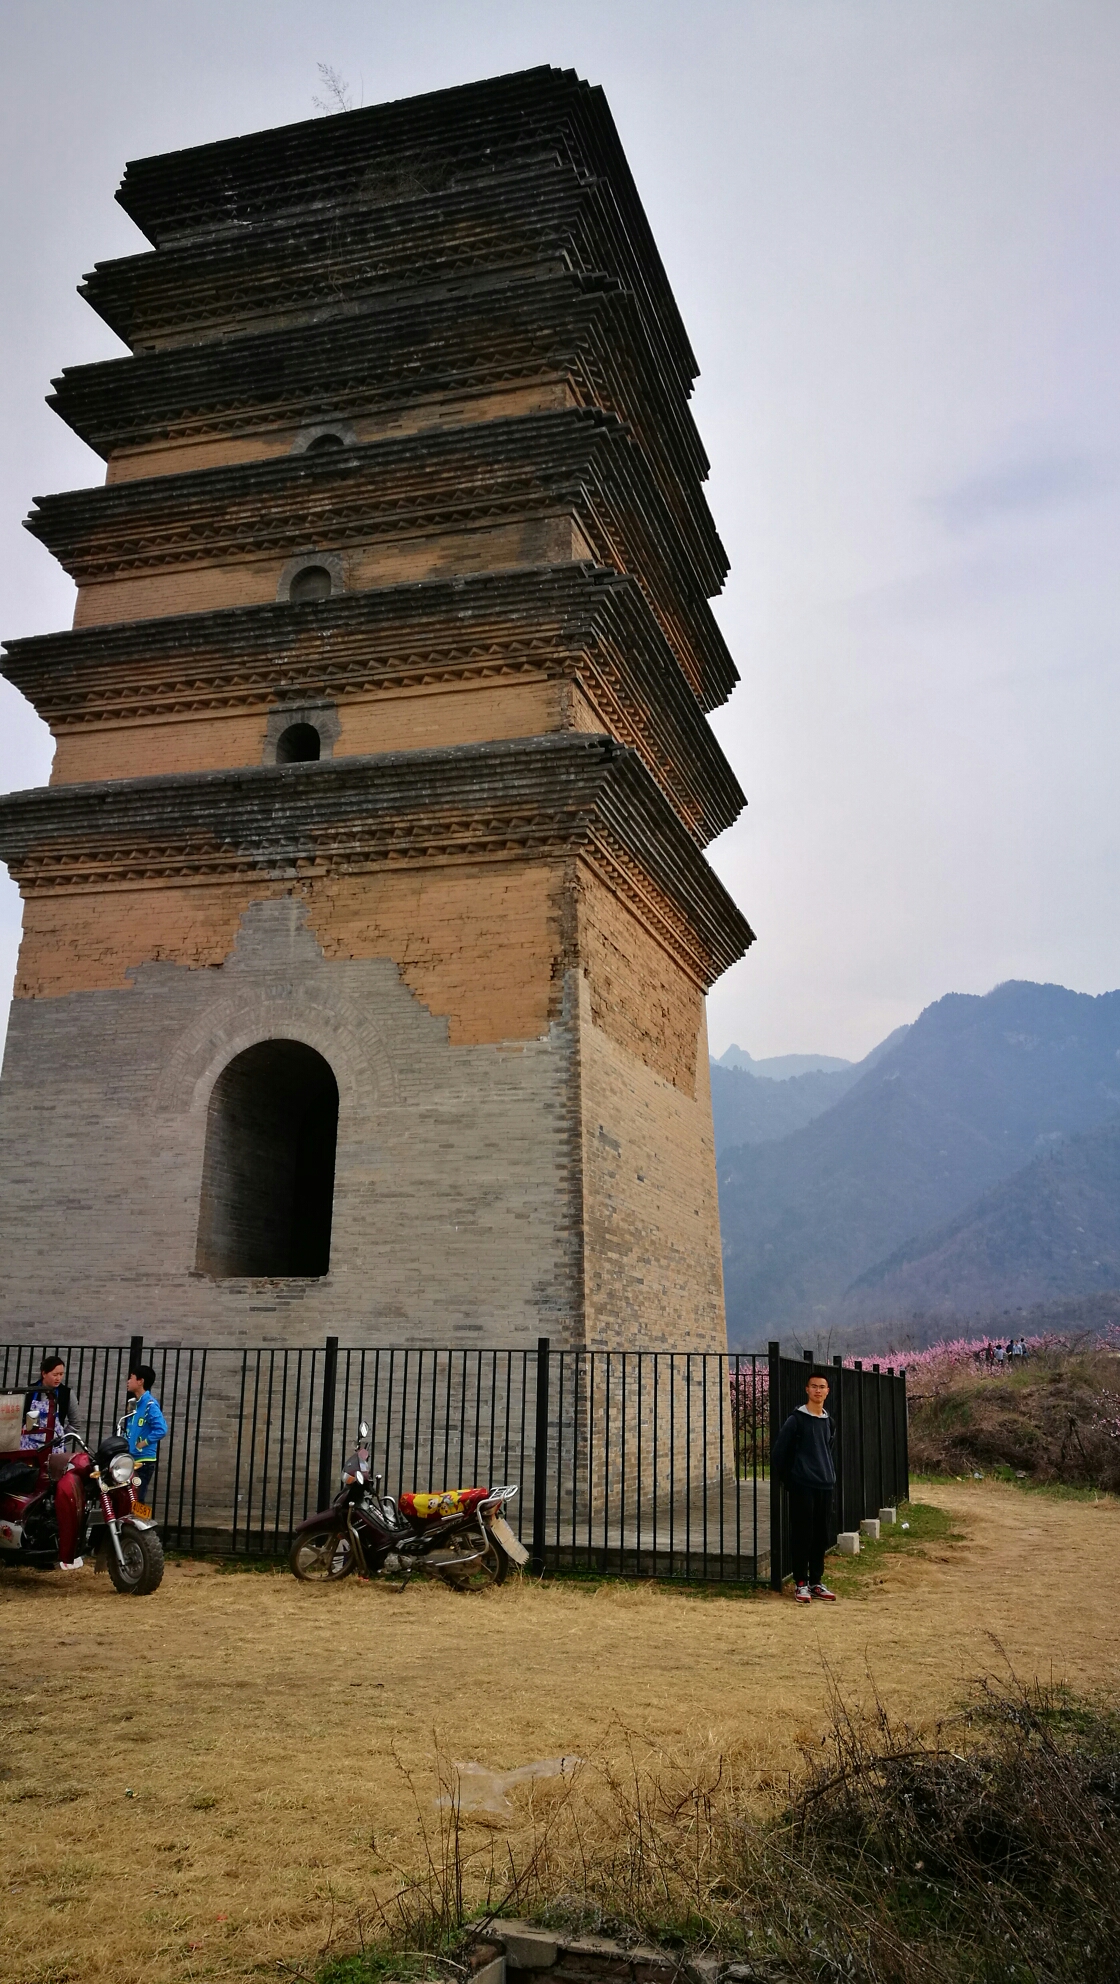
(360, 1478)
(363, 1430)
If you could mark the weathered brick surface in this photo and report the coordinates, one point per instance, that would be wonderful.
(479, 946)
(396, 720)
(178, 457)
(639, 996)
(254, 581)
(453, 1210)
(652, 1268)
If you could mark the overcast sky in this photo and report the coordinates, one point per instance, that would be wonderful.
(893, 227)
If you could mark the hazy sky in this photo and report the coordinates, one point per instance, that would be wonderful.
(893, 227)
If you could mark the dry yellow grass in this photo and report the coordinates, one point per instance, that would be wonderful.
(279, 1740)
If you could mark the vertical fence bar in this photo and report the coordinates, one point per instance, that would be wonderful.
(777, 1556)
(197, 1437)
(540, 1454)
(326, 1423)
(880, 1498)
(240, 1433)
(836, 1407)
(861, 1504)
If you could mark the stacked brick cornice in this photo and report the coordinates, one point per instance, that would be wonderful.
(429, 352)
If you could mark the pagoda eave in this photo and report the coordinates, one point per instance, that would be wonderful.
(542, 798)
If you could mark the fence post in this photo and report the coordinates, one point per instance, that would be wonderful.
(135, 1354)
(326, 1423)
(837, 1411)
(777, 1565)
(540, 1455)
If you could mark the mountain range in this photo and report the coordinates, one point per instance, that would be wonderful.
(752, 1105)
(779, 1067)
(946, 1180)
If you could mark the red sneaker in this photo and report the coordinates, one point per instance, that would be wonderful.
(821, 1591)
(802, 1594)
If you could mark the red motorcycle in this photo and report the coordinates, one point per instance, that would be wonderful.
(57, 1506)
(460, 1534)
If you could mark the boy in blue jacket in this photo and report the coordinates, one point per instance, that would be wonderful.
(805, 1464)
(145, 1427)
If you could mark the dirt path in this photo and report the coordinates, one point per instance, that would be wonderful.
(269, 1732)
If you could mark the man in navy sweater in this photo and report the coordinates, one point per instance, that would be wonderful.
(805, 1464)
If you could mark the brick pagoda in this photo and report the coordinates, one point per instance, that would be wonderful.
(367, 926)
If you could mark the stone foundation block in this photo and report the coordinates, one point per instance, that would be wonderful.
(528, 1948)
(888, 1515)
(869, 1527)
(847, 1543)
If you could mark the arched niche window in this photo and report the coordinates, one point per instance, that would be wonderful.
(300, 744)
(311, 582)
(322, 435)
(268, 1172)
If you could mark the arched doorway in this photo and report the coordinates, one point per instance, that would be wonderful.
(268, 1174)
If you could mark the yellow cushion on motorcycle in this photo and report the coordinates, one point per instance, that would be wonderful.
(444, 1502)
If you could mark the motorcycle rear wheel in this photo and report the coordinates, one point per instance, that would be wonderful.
(321, 1556)
(142, 1569)
(491, 1568)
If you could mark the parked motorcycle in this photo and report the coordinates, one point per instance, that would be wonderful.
(87, 1496)
(460, 1534)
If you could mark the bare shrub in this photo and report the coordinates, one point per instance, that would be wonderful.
(984, 1853)
(1057, 1418)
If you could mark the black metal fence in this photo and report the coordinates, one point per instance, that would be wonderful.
(627, 1463)
(873, 1471)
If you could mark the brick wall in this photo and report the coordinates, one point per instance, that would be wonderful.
(481, 945)
(454, 1213)
(392, 720)
(181, 456)
(201, 588)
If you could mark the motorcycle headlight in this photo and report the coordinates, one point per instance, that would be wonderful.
(120, 1470)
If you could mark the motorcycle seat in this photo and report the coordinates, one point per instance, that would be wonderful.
(440, 1503)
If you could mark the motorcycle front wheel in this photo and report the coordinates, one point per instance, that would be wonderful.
(142, 1569)
(488, 1568)
(321, 1556)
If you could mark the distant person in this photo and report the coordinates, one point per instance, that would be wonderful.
(989, 1355)
(1000, 1354)
(1019, 1348)
(145, 1427)
(805, 1464)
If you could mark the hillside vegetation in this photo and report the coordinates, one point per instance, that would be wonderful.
(849, 1221)
(1054, 1418)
